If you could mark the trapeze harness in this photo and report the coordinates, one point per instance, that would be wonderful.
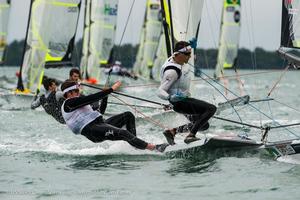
(197, 111)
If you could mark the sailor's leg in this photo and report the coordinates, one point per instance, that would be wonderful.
(200, 110)
(99, 132)
(126, 118)
(204, 111)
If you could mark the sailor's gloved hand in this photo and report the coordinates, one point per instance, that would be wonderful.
(168, 107)
(193, 43)
(177, 97)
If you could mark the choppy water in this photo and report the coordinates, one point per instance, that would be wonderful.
(41, 159)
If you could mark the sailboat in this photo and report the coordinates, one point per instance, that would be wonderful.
(229, 37)
(149, 42)
(49, 41)
(99, 37)
(181, 21)
(4, 17)
(290, 41)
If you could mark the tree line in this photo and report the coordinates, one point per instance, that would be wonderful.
(205, 58)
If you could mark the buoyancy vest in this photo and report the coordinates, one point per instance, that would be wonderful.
(79, 118)
(182, 84)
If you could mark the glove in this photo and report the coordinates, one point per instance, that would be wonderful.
(168, 107)
(193, 43)
(177, 97)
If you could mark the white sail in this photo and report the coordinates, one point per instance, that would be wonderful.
(160, 58)
(99, 36)
(152, 30)
(4, 17)
(229, 37)
(49, 40)
(186, 16)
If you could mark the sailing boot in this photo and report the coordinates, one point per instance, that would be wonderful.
(191, 138)
(170, 134)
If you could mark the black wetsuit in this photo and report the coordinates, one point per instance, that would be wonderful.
(51, 106)
(110, 129)
(197, 111)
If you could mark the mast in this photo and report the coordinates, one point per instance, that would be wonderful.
(20, 84)
(165, 20)
(86, 40)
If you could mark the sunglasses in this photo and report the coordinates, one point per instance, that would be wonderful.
(186, 53)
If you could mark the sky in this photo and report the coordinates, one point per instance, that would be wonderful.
(260, 23)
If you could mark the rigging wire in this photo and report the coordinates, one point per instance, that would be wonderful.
(205, 78)
(250, 104)
(126, 24)
(280, 78)
(141, 106)
(150, 119)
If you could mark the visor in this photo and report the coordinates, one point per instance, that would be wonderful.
(184, 50)
(74, 87)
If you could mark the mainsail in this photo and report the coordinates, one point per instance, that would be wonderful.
(229, 37)
(99, 36)
(4, 17)
(290, 31)
(49, 40)
(152, 30)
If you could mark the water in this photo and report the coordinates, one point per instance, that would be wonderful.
(41, 159)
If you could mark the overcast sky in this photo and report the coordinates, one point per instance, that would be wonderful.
(260, 22)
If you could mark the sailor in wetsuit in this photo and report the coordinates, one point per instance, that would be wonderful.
(117, 69)
(49, 101)
(174, 87)
(82, 119)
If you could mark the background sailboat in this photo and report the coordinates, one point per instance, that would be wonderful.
(229, 42)
(150, 36)
(50, 36)
(229, 37)
(99, 36)
(4, 17)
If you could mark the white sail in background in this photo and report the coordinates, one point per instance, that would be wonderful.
(229, 36)
(160, 58)
(4, 17)
(152, 31)
(49, 40)
(99, 36)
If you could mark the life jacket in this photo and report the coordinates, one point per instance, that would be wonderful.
(182, 84)
(79, 118)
